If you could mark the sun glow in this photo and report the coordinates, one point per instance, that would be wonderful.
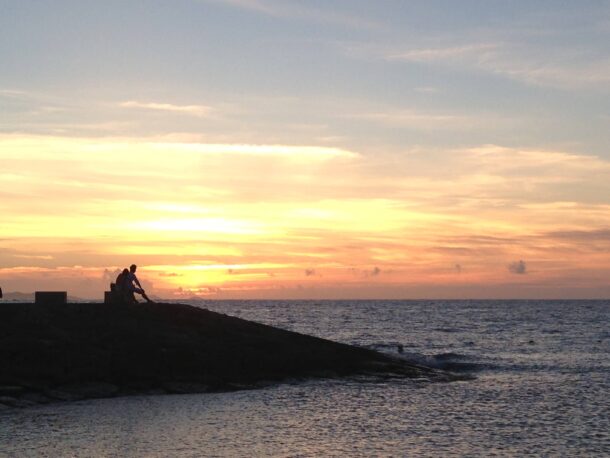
(220, 220)
(203, 225)
(192, 276)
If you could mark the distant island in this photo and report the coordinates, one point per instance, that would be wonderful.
(75, 351)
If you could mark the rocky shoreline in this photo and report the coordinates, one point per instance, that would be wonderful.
(74, 351)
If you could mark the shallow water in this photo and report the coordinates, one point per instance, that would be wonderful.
(542, 378)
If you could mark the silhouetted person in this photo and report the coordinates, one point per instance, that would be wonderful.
(0, 293)
(122, 287)
(133, 284)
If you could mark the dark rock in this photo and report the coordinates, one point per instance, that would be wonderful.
(50, 297)
(185, 387)
(61, 395)
(8, 390)
(73, 351)
(10, 401)
(7, 400)
(91, 390)
(37, 398)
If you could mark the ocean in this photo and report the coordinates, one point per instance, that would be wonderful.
(536, 383)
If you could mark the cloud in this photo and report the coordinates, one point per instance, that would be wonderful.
(33, 256)
(293, 10)
(598, 235)
(109, 276)
(541, 165)
(539, 49)
(205, 214)
(209, 290)
(517, 267)
(555, 67)
(254, 5)
(13, 93)
(374, 272)
(418, 119)
(444, 54)
(193, 110)
(287, 151)
(427, 90)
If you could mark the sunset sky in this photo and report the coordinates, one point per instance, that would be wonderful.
(306, 149)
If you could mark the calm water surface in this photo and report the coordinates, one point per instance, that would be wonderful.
(541, 388)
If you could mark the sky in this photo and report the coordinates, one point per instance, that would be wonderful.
(306, 149)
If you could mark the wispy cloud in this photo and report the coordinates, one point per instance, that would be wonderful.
(542, 164)
(255, 5)
(13, 93)
(279, 151)
(598, 235)
(517, 267)
(422, 120)
(427, 90)
(193, 110)
(290, 9)
(33, 256)
(564, 68)
(444, 54)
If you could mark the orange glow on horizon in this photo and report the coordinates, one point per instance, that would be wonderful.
(238, 220)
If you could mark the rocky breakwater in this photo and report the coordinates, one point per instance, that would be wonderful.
(76, 351)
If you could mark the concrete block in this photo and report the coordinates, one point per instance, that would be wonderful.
(51, 297)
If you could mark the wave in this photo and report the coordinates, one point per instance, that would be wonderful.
(447, 361)
(454, 362)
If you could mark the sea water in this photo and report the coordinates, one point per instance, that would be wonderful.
(539, 386)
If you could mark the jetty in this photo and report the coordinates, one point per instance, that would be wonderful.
(69, 351)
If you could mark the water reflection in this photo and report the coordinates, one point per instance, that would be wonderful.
(548, 398)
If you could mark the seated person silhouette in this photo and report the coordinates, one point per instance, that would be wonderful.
(122, 288)
(132, 284)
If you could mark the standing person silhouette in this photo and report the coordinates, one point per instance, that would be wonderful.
(133, 284)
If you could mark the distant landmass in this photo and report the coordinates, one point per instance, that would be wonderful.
(16, 296)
